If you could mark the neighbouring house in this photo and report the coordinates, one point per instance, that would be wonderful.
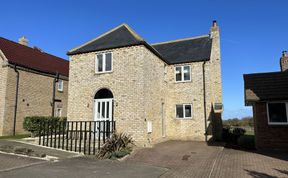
(28, 77)
(267, 93)
(155, 92)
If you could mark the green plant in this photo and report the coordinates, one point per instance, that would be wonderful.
(246, 141)
(238, 131)
(231, 135)
(33, 123)
(117, 146)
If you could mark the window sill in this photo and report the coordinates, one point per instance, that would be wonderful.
(278, 124)
(99, 73)
(183, 81)
(187, 118)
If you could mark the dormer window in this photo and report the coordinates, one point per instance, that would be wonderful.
(60, 85)
(183, 73)
(103, 62)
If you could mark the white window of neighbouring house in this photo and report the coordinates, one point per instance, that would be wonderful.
(184, 111)
(59, 112)
(183, 73)
(103, 62)
(277, 113)
(60, 85)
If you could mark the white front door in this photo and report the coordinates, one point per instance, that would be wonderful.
(103, 109)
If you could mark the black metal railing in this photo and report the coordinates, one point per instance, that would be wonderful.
(78, 136)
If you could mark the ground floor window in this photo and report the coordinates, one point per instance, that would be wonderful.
(184, 111)
(277, 113)
(59, 112)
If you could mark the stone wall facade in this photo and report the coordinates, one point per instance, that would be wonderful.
(268, 136)
(144, 89)
(34, 98)
(3, 81)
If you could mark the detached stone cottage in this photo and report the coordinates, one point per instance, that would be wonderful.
(155, 92)
(32, 83)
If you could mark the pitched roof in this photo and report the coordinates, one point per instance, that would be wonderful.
(266, 86)
(172, 52)
(33, 58)
(186, 50)
(118, 37)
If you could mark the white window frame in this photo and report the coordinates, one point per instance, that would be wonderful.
(60, 85)
(268, 117)
(184, 116)
(103, 63)
(182, 71)
(57, 111)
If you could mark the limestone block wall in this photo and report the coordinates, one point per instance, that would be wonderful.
(126, 82)
(3, 80)
(34, 98)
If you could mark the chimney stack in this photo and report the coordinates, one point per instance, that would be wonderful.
(23, 41)
(284, 61)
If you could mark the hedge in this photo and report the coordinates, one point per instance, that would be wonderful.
(32, 123)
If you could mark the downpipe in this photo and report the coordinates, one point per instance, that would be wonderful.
(16, 100)
(204, 101)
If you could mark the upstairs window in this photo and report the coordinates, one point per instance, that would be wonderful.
(277, 113)
(183, 73)
(60, 85)
(103, 62)
(184, 111)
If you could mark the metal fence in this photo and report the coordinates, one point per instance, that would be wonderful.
(78, 136)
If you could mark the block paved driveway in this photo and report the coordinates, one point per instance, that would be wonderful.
(196, 159)
(169, 159)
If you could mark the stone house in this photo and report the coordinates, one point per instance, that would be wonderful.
(155, 92)
(267, 93)
(28, 77)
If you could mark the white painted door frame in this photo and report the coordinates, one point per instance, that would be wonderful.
(103, 109)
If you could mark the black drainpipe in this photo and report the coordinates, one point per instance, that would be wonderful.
(54, 92)
(204, 99)
(16, 99)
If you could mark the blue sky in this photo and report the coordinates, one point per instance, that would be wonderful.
(253, 33)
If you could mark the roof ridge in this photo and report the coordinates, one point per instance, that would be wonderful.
(32, 48)
(183, 39)
(136, 35)
(263, 73)
(108, 32)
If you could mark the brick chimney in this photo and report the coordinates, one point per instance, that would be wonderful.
(284, 61)
(23, 41)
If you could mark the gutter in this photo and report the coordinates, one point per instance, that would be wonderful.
(204, 100)
(16, 99)
(54, 93)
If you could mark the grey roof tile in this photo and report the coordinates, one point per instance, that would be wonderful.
(187, 50)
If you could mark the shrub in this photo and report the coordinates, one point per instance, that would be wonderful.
(32, 123)
(238, 131)
(246, 141)
(231, 135)
(117, 146)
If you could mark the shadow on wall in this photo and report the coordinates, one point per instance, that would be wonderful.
(215, 125)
